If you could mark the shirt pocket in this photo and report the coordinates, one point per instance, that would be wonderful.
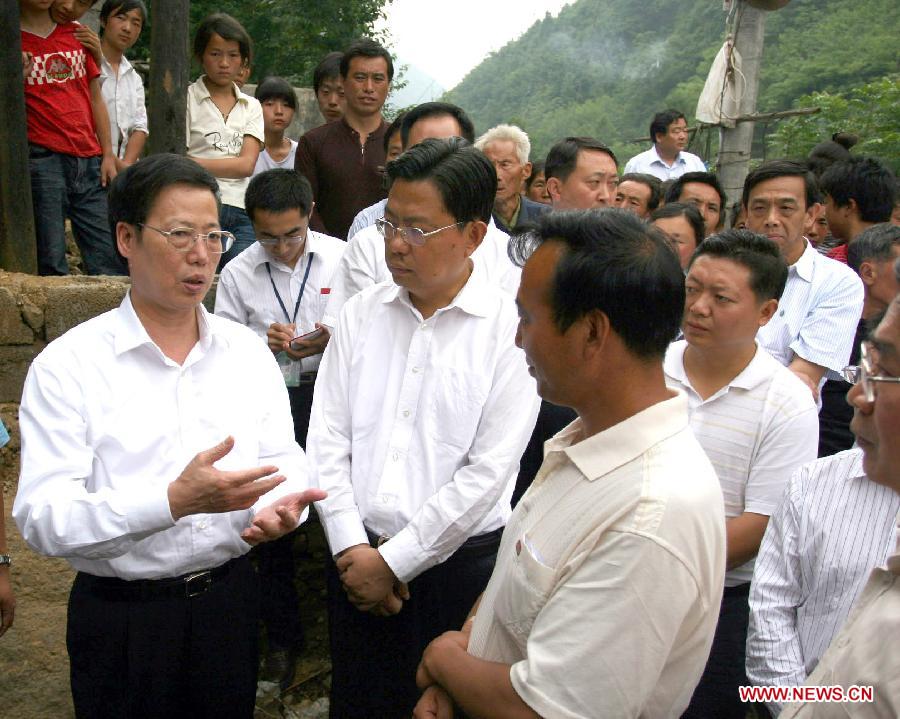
(525, 591)
(457, 400)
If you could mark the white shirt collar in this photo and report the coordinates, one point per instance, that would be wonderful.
(129, 332)
(260, 256)
(471, 298)
(758, 370)
(202, 91)
(678, 158)
(805, 264)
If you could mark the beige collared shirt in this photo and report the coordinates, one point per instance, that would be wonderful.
(607, 586)
(214, 137)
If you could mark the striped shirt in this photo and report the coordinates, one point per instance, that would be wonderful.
(246, 295)
(833, 527)
(756, 430)
(366, 217)
(817, 314)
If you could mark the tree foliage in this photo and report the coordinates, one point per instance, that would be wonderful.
(289, 38)
(869, 111)
(604, 67)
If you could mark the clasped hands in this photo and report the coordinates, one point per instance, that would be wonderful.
(369, 582)
(435, 702)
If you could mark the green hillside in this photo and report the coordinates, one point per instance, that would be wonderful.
(603, 67)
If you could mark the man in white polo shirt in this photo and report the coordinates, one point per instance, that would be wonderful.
(812, 332)
(667, 159)
(603, 601)
(278, 287)
(422, 408)
(754, 418)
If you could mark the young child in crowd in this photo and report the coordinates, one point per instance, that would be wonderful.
(123, 89)
(224, 125)
(279, 104)
(70, 155)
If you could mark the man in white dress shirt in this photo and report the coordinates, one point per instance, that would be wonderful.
(278, 288)
(603, 601)
(864, 652)
(812, 332)
(667, 159)
(152, 470)
(755, 419)
(423, 406)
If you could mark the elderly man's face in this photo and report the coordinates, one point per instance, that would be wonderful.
(877, 424)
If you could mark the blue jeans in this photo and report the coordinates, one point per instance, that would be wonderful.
(236, 221)
(68, 186)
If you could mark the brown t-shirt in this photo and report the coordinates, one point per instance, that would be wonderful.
(345, 176)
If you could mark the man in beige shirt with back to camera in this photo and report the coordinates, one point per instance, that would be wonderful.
(603, 599)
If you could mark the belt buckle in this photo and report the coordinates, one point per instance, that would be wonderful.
(381, 540)
(202, 580)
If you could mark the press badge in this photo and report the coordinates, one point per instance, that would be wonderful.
(290, 369)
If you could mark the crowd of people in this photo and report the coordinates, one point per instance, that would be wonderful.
(578, 448)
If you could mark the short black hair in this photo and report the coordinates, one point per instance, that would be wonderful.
(781, 168)
(866, 180)
(659, 125)
(437, 109)
(329, 67)
(563, 156)
(537, 167)
(117, 7)
(463, 176)
(135, 190)
(650, 181)
(760, 255)
(276, 88)
(392, 130)
(673, 192)
(875, 243)
(825, 154)
(616, 264)
(365, 47)
(681, 209)
(735, 213)
(227, 28)
(278, 190)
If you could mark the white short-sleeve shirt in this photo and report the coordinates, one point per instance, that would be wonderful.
(650, 163)
(124, 98)
(213, 137)
(756, 430)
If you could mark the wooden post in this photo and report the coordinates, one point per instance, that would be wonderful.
(170, 65)
(18, 249)
(735, 143)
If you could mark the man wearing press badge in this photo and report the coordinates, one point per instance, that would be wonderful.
(422, 408)
(156, 449)
(278, 287)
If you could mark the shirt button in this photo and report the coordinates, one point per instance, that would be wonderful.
(395, 456)
(423, 326)
(406, 413)
(415, 370)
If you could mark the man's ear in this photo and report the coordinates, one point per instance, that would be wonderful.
(126, 238)
(553, 189)
(474, 233)
(528, 168)
(868, 272)
(596, 332)
(767, 311)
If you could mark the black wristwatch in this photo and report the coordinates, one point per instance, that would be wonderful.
(5, 559)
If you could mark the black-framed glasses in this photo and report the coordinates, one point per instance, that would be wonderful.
(864, 373)
(410, 235)
(182, 239)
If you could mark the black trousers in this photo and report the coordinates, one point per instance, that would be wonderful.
(165, 657)
(374, 659)
(716, 696)
(280, 603)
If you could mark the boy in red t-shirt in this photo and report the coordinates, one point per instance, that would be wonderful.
(70, 156)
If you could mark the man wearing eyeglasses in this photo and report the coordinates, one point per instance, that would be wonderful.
(278, 288)
(156, 449)
(422, 408)
(863, 652)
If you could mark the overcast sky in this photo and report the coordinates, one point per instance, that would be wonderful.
(447, 39)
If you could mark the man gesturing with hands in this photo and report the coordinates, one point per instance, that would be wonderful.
(152, 470)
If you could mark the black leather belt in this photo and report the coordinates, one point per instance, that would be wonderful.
(308, 377)
(186, 586)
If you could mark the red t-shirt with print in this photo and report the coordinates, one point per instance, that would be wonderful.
(58, 94)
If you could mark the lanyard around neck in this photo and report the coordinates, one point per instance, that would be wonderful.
(291, 320)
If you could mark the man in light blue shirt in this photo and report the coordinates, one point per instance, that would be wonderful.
(667, 159)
